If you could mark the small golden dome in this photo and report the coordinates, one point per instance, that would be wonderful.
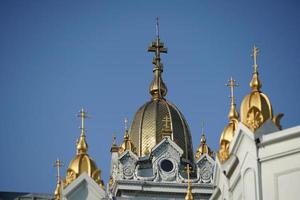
(127, 144)
(256, 107)
(82, 161)
(203, 148)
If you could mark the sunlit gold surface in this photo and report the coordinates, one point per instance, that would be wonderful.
(82, 161)
(147, 125)
(228, 131)
(203, 147)
(256, 107)
(189, 194)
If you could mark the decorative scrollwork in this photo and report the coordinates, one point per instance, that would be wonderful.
(254, 118)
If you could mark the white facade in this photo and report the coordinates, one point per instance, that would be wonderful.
(262, 165)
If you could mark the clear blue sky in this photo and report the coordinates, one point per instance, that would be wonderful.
(59, 56)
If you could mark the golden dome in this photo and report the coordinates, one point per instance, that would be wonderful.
(203, 148)
(82, 161)
(229, 130)
(147, 125)
(256, 107)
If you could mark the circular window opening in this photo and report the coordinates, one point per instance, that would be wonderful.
(166, 165)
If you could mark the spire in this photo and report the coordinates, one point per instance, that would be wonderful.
(189, 194)
(82, 146)
(157, 88)
(203, 147)
(57, 193)
(233, 114)
(127, 144)
(167, 129)
(255, 83)
(203, 139)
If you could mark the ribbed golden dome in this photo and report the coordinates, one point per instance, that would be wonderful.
(82, 161)
(256, 107)
(147, 125)
(203, 148)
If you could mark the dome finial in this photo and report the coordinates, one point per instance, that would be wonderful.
(233, 114)
(82, 146)
(127, 143)
(203, 147)
(157, 89)
(189, 194)
(203, 139)
(57, 193)
(255, 83)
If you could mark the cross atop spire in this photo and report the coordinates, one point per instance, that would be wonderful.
(254, 54)
(57, 193)
(82, 146)
(233, 114)
(157, 88)
(232, 84)
(83, 115)
(58, 164)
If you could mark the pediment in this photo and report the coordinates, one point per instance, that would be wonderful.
(84, 187)
(166, 145)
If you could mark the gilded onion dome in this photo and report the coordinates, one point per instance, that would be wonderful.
(229, 130)
(203, 147)
(147, 125)
(82, 161)
(256, 107)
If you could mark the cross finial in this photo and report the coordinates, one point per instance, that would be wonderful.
(255, 52)
(58, 164)
(126, 124)
(83, 115)
(232, 83)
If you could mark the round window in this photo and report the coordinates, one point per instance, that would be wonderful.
(166, 165)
